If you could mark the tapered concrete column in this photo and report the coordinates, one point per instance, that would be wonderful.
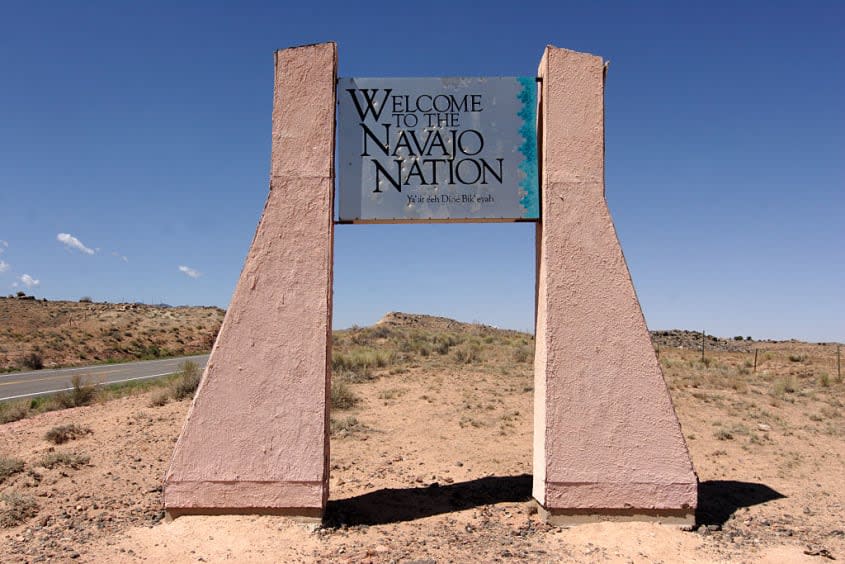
(256, 437)
(607, 443)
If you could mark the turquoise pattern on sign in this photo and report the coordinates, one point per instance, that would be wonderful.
(529, 184)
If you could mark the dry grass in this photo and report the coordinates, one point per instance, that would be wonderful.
(342, 396)
(64, 433)
(66, 459)
(16, 508)
(9, 466)
(181, 385)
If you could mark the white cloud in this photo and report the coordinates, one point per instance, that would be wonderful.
(188, 271)
(73, 243)
(3, 246)
(120, 256)
(29, 281)
(4, 266)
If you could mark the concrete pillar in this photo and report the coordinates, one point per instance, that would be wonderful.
(607, 443)
(256, 437)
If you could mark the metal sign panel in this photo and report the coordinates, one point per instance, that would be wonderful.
(417, 149)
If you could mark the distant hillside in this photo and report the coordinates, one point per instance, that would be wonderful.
(61, 333)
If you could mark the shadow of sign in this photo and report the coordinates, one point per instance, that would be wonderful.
(406, 504)
(719, 499)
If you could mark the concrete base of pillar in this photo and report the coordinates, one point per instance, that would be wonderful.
(298, 514)
(683, 518)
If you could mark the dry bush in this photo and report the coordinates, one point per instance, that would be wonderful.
(358, 364)
(188, 381)
(183, 385)
(342, 397)
(160, 398)
(467, 354)
(13, 411)
(522, 354)
(34, 361)
(392, 393)
(723, 435)
(346, 426)
(16, 508)
(784, 385)
(68, 459)
(824, 380)
(64, 433)
(83, 392)
(9, 467)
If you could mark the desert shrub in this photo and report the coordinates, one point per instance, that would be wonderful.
(361, 358)
(380, 332)
(797, 358)
(188, 380)
(82, 392)
(85, 300)
(521, 354)
(160, 398)
(346, 426)
(64, 433)
(783, 386)
(9, 466)
(342, 397)
(443, 342)
(392, 393)
(68, 459)
(13, 411)
(824, 380)
(467, 354)
(34, 361)
(183, 385)
(723, 435)
(16, 508)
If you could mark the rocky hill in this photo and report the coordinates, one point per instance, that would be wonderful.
(44, 334)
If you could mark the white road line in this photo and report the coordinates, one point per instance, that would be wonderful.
(97, 367)
(46, 392)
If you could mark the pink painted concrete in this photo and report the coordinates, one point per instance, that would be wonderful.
(256, 437)
(606, 434)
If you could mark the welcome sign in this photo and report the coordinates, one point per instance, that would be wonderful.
(417, 149)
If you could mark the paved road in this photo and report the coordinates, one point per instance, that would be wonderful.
(38, 382)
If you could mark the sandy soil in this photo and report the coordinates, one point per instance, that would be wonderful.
(434, 466)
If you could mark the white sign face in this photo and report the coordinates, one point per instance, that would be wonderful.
(417, 149)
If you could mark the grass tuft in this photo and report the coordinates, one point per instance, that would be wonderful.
(342, 397)
(64, 433)
(9, 467)
(16, 508)
(67, 459)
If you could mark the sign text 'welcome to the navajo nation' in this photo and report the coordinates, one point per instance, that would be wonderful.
(416, 149)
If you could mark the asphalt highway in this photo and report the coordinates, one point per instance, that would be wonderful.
(38, 382)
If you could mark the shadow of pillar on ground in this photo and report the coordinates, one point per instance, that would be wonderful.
(395, 505)
(719, 499)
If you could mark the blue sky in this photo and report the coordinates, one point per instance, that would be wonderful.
(142, 131)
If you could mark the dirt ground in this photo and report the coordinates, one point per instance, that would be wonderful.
(432, 463)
